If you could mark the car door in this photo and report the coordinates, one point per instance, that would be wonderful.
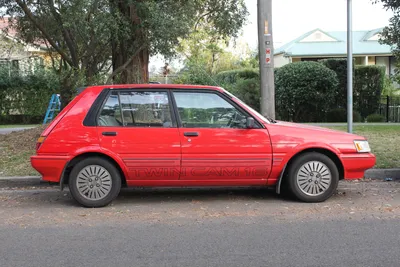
(139, 126)
(216, 144)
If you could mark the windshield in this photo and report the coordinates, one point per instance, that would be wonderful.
(261, 117)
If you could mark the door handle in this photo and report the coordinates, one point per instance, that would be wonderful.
(191, 134)
(109, 133)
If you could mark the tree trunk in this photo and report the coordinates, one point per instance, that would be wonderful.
(137, 71)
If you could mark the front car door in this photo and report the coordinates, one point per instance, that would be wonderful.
(139, 126)
(216, 145)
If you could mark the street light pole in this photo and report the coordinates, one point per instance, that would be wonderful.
(349, 67)
(266, 57)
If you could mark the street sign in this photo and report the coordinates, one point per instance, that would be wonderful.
(268, 56)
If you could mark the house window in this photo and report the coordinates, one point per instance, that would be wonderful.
(14, 66)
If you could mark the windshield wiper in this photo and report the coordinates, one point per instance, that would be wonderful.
(271, 120)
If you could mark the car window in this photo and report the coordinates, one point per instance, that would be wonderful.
(207, 110)
(110, 115)
(149, 109)
(136, 109)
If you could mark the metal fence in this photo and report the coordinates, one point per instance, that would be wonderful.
(390, 108)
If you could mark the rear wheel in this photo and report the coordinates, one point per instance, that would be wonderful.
(313, 177)
(94, 182)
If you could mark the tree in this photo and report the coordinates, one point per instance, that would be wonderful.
(157, 27)
(77, 34)
(391, 33)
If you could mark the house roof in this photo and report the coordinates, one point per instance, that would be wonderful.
(334, 44)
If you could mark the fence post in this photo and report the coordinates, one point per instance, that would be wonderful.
(387, 108)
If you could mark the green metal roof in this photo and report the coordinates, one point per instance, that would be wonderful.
(361, 45)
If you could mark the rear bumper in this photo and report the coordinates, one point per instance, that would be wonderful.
(51, 168)
(355, 165)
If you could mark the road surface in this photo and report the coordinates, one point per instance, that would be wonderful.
(9, 130)
(358, 226)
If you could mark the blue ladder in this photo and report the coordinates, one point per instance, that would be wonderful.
(54, 105)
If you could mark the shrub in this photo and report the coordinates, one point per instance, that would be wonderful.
(375, 118)
(339, 66)
(368, 86)
(340, 115)
(305, 91)
(248, 90)
(28, 94)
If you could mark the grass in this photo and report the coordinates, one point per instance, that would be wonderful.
(16, 148)
(18, 125)
(384, 141)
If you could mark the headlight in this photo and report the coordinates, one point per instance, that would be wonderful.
(362, 146)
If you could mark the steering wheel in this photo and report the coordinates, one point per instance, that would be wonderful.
(232, 120)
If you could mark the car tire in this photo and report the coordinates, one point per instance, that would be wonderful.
(94, 182)
(312, 177)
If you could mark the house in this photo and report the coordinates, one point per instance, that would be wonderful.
(318, 44)
(18, 56)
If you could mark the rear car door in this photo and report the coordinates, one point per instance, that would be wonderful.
(216, 145)
(139, 126)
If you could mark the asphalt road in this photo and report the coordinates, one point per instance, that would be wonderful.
(358, 226)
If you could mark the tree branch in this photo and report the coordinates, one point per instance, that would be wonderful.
(31, 17)
(66, 34)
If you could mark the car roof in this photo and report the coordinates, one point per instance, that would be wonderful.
(160, 86)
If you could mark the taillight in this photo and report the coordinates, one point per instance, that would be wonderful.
(40, 142)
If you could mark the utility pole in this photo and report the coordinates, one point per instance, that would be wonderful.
(349, 67)
(266, 56)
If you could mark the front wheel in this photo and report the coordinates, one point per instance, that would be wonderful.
(313, 177)
(94, 182)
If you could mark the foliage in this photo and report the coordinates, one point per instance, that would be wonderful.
(232, 76)
(368, 85)
(76, 33)
(339, 66)
(158, 27)
(248, 90)
(304, 91)
(23, 97)
(375, 118)
(388, 87)
(340, 115)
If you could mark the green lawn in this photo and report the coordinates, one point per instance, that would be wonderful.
(15, 149)
(384, 141)
(18, 125)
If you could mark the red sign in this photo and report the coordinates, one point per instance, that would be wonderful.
(267, 60)
(268, 51)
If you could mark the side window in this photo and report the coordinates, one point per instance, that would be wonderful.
(207, 110)
(145, 109)
(110, 115)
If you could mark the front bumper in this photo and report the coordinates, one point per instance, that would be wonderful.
(50, 167)
(355, 165)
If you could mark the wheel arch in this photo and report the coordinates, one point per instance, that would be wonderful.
(329, 153)
(332, 155)
(65, 177)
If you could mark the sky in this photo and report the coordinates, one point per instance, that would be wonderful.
(292, 18)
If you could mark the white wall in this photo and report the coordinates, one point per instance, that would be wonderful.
(280, 60)
(383, 61)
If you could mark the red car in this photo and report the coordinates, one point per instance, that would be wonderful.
(184, 135)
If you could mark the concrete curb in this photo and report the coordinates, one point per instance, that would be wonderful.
(393, 174)
(375, 174)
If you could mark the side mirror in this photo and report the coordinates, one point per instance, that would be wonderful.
(249, 123)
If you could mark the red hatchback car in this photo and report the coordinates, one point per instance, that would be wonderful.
(184, 135)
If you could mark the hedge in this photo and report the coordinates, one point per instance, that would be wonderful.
(305, 91)
(24, 98)
(368, 86)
